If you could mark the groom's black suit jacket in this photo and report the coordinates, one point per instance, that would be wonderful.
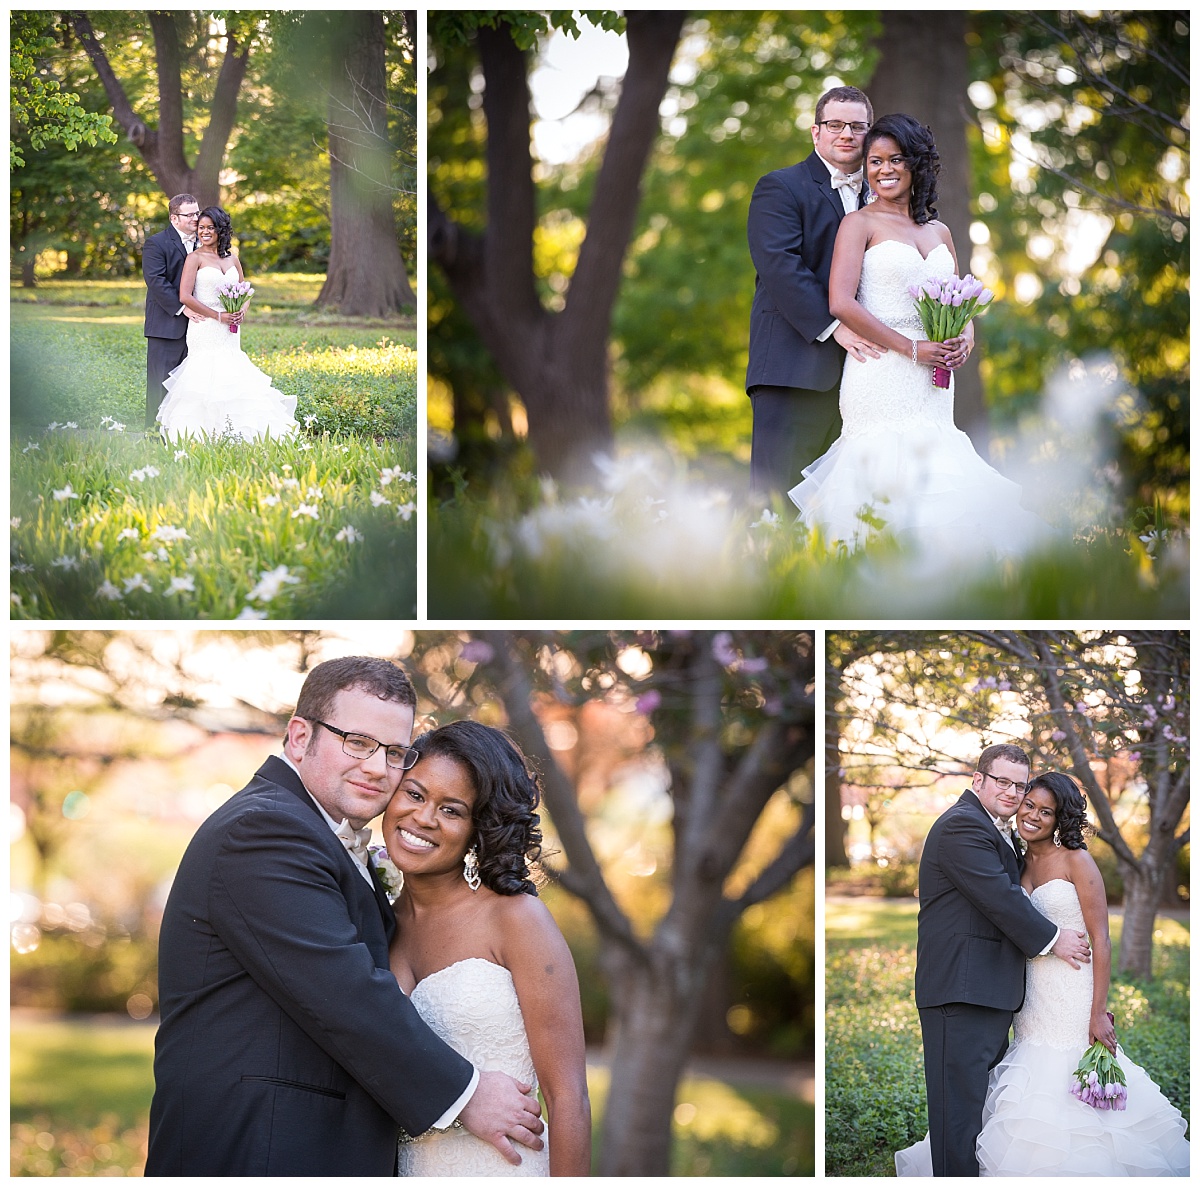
(285, 1046)
(163, 258)
(976, 927)
(794, 218)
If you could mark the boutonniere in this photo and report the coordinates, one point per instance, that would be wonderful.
(1018, 840)
(386, 873)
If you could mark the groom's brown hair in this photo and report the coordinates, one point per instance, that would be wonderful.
(1006, 750)
(177, 201)
(844, 95)
(378, 677)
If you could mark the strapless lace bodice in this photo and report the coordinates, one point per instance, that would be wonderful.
(208, 280)
(888, 268)
(473, 1006)
(1058, 998)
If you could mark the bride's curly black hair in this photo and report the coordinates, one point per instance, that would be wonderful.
(920, 155)
(222, 224)
(1070, 807)
(507, 792)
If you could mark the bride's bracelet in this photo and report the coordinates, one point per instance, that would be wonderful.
(914, 342)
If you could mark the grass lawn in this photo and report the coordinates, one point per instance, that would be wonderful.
(874, 1083)
(81, 1096)
(108, 522)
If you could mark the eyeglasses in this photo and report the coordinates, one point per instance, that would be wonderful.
(361, 746)
(838, 126)
(1002, 783)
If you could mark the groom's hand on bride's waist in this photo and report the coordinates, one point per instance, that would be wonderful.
(856, 344)
(1073, 947)
(502, 1111)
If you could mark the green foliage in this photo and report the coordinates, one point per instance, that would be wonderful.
(86, 974)
(655, 541)
(37, 103)
(1093, 107)
(874, 1082)
(451, 28)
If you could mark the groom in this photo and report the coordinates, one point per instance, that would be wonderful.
(975, 930)
(796, 345)
(166, 325)
(285, 1045)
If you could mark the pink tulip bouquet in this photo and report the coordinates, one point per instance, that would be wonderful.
(233, 296)
(945, 305)
(1098, 1080)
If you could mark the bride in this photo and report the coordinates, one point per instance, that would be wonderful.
(1032, 1125)
(217, 391)
(477, 952)
(900, 463)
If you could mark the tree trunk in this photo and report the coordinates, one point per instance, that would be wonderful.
(28, 278)
(922, 71)
(366, 276)
(557, 363)
(163, 148)
(1143, 889)
(835, 825)
(653, 1020)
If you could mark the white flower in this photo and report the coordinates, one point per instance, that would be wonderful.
(148, 557)
(768, 519)
(168, 534)
(65, 562)
(129, 534)
(310, 420)
(388, 473)
(53, 425)
(405, 510)
(186, 584)
(109, 592)
(104, 420)
(70, 425)
(15, 599)
(285, 466)
(180, 454)
(291, 483)
(31, 445)
(308, 509)
(61, 496)
(15, 522)
(271, 501)
(248, 613)
(137, 581)
(116, 427)
(138, 475)
(350, 534)
(21, 568)
(378, 500)
(314, 493)
(271, 584)
(304, 446)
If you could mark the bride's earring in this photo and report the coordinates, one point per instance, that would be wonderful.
(471, 868)
(1057, 840)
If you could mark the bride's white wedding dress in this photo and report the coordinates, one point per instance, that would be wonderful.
(1032, 1125)
(217, 391)
(900, 460)
(472, 1005)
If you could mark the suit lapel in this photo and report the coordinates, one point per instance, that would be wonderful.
(1008, 853)
(821, 179)
(277, 771)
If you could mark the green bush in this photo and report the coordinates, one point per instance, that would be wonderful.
(86, 974)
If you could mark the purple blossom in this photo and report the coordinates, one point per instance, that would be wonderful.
(649, 701)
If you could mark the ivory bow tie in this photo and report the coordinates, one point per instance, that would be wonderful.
(842, 181)
(355, 840)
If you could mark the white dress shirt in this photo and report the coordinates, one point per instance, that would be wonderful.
(849, 202)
